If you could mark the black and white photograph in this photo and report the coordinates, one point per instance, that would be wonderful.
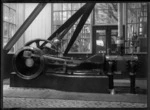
(75, 55)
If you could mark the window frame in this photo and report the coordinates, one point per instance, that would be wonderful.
(136, 24)
(11, 24)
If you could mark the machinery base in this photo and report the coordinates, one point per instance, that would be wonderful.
(70, 83)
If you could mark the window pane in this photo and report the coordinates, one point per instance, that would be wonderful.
(9, 24)
(66, 6)
(76, 6)
(64, 16)
(11, 30)
(12, 5)
(101, 6)
(57, 6)
(114, 32)
(101, 17)
(73, 12)
(135, 24)
(6, 13)
(88, 20)
(132, 5)
(101, 41)
(12, 16)
(58, 17)
(68, 14)
(5, 29)
(5, 40)
(112, 17)
(106, 13)
(81, 45)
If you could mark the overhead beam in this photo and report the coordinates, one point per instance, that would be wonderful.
(80, 25)
(65, 31)
(24, 26)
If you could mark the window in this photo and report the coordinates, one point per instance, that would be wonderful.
(136, 28)
(106, 13)
(61, 13)
(9, 24)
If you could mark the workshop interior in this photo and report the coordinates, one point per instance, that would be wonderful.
(96, 48)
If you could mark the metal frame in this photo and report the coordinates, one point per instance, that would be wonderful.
(80, 25)
(83, 12)
(71, 21)
(65, 27)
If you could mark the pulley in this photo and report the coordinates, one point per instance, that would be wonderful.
(28, 62)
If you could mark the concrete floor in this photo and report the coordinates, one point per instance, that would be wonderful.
(14, 97)
(57, 103)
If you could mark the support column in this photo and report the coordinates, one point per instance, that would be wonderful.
(120, 41)
(132, 83)
(111, 77)
(132, 74)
